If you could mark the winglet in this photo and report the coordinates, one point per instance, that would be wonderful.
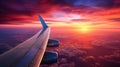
(42, 22)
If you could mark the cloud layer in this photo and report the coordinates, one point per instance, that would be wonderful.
(25, 11)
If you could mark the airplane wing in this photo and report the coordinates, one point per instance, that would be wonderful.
(30, 52)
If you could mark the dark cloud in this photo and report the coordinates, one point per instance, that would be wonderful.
(31, 7)
(53, 20)
(115, 19)
(10, 9)
(82, 20)
(117, 3)
(18, 6)
(91, 3)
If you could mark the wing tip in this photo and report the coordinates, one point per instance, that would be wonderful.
(44, 25)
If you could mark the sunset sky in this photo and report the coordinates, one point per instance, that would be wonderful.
(88, 30)
(95, 14)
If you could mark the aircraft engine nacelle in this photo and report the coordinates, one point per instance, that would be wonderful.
(52, 43)
(49, 58)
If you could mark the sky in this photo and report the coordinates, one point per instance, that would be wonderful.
(94, 14)
(96, 49)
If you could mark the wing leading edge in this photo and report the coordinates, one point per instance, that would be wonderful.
(30, 52)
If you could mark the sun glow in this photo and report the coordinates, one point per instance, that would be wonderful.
(84, 28)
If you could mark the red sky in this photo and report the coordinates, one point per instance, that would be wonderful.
(93, 14)
(75, 21)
